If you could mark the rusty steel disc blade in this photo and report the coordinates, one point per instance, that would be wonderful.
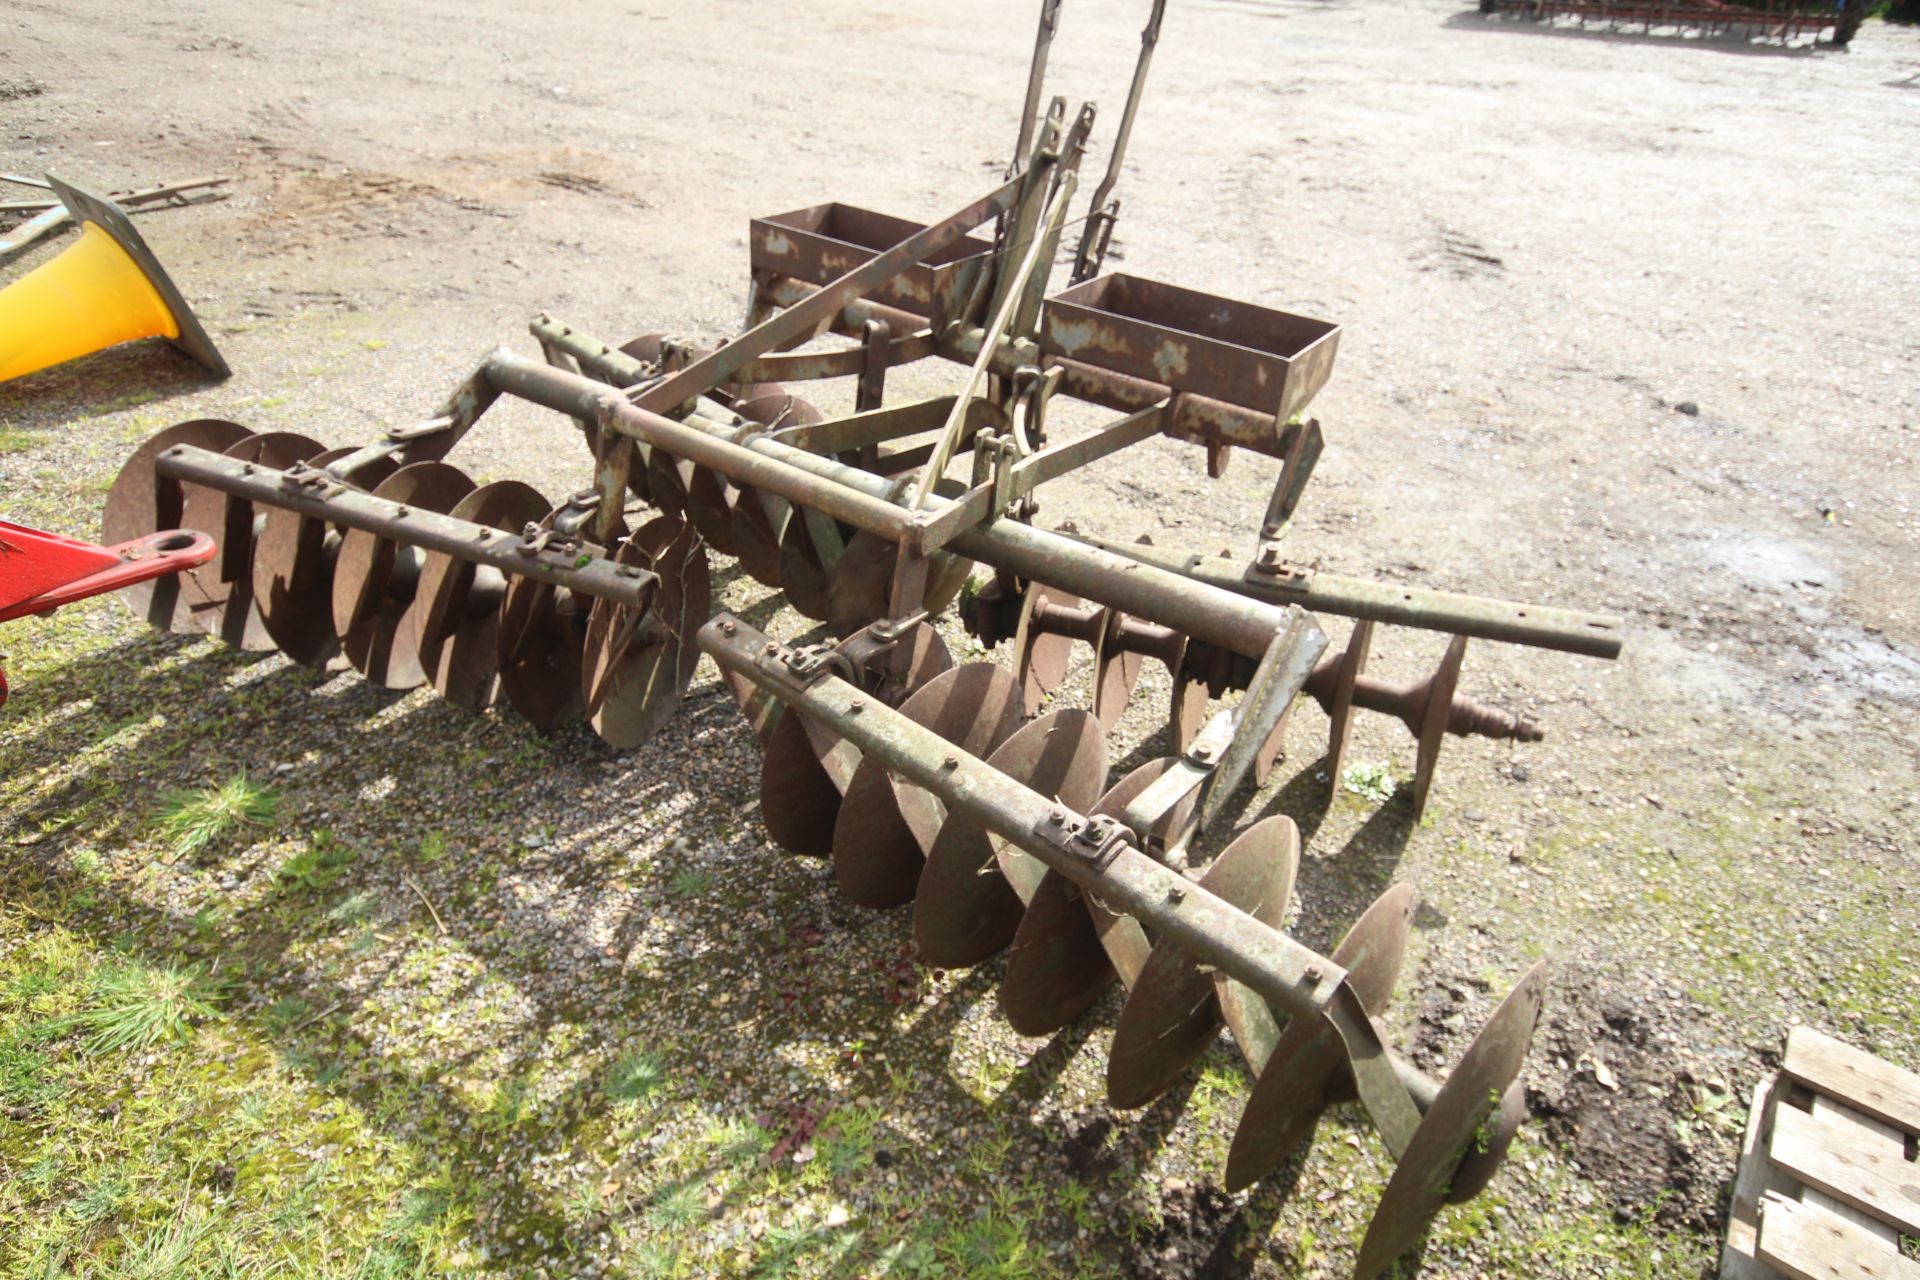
(454, 620)
(632, 693)
(375, 578)
(1041, 658)
(543, 634)
(1307, 1062)
(1433, 721)
(862, 588)
(759, 522)
(739, 393)
(667, 479)
(964, 910)
(760, 708)
(142, 502)
(915, 658)
(646, 349)
(885, 825)
(799, 800)
(1115, 672)
(710, 503)
(1058, 965)
(806, 568)
(224, 603)
(777, 410)
(1171, 1014)
(1490, 1142)
(293, 560)
(1188, 712)
(1352, 662)
(1424, 1174)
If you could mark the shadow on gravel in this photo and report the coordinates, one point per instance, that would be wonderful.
(1474, 20)
(133, 373)
(348, 947)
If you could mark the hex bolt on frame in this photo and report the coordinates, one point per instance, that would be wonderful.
(963, 789)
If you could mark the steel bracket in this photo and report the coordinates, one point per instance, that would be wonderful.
(1097, 841)
(809, 662)
(1271, 568)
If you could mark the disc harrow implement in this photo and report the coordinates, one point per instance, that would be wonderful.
(972, 790)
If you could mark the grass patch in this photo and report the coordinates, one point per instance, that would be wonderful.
(192, 820)
(15, 440)
(138, 1006)
(635, 1077)
(323, 861)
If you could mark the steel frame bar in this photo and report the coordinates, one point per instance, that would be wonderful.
(297, 490)
(1285, 972)
(1538, 626)
(1282, 971)
(867, 501)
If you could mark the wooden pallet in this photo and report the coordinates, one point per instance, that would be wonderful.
(1827, 1181)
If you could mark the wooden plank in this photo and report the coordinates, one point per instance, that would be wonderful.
(1752, 1180)
(1867, 1132)
(1855, 1077)
(1805, 1243)
(1875, 1177)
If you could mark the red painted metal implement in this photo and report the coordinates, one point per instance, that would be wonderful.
(41, 571)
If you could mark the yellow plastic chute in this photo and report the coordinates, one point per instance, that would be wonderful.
(104, 290)
(94, 295)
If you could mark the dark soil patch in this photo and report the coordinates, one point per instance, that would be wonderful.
(1194, 1238)
(1620, 1101)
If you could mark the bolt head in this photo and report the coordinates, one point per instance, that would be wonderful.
(727, 628)
(1057, 817)
(952, 761)
(1315, 973)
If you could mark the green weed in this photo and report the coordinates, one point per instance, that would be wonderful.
(635, 1077)
(138, 1006)
(192, 820)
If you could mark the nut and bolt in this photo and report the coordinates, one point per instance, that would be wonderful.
(773, 646)
(1057, 817)
(727, 628)
(952, 761)
(856, 705)
(1314, 973)
(402, 512)
(1177, 892)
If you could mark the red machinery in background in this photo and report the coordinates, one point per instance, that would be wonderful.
(41, 571)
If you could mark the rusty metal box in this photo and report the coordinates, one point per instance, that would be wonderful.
(823, 243)
(1234, 351)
